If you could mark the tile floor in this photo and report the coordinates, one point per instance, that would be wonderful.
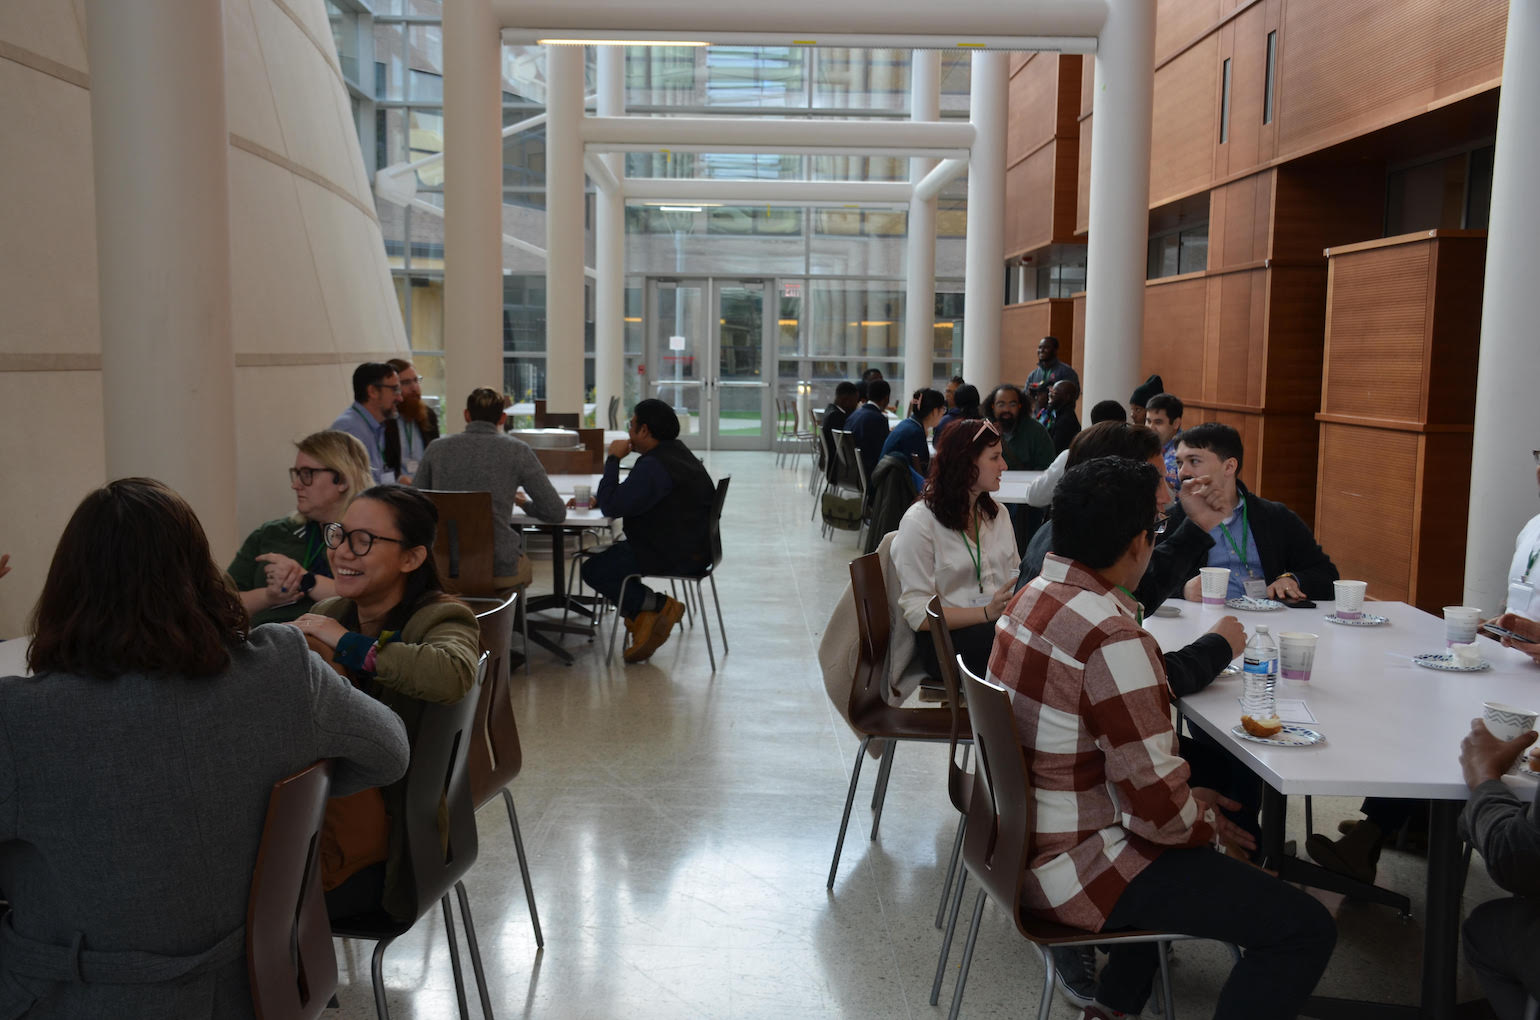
(679, 825)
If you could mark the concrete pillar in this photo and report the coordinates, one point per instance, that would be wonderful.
(920, 244)
(984, 271)
(564, 182)
(160, 149)
(1502, 477)
(1120, 202)
(610, 251)
(473, 205)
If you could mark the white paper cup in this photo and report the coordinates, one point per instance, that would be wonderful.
(582, 497)
(1296, 654)
(1350, 598)
(1216, 583)
(1504, 721)
(1460, 624)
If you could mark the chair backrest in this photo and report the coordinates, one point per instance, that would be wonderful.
(495, 756)
(614, 415)
(438, 775)
(289, 958)
(851, 474)
(716, 520)
(1001, 813)
(957, 777)
(593, 445)
(874, 631)
(463, 548)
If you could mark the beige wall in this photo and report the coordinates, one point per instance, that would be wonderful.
(311, 293)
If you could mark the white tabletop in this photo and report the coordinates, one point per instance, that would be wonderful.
(565, 484)
(1392, 728)
(592, 518)
(1013, 486)
(13, 657)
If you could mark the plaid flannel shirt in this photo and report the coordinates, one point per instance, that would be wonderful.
(1093, 712)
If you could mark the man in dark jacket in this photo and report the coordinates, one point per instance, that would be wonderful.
(1269, 550)
(846, 397)
(665, 503)
(869, 424)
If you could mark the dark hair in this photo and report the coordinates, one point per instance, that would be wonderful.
(1052, 339)
(1113, 439)
(845, 388)
(370, 373)
(1107, 410)
(416, 518)
(1168, 403)
(967, 399)
(1073, 388)
(486, 404)
(132, 589)
(1145, 390)
(1219, 437)
(954, 469)
(399, 364)
(926, 401)
(956, 379)
(1100, 506)
(871, 375)
(878, 391)
(660, 419)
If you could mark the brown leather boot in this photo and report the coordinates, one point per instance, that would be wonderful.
(1354, 855)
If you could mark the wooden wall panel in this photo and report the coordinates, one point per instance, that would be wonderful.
(1318, 208)
(1459, 270)
(1076, 358)
(1296, 338)
(1285, 458)
(1438, 560)
(1030, 202)
(1033, 107)
(1185, 123)
(1173, 334)
(1087, 86)
(1179, 22)
(1021, 327)
(1377, 317)
(1237, 222)
(1236, 337)
(1368, 536)
(1083, 179)
(1244, 41)
(1070, 66)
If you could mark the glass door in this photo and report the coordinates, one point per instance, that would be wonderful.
(707, 358)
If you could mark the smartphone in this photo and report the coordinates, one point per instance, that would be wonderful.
(1299, 604)
(1503, 632)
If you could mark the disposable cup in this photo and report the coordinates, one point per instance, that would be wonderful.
(1350, 598)
(1506, 722)
(1460, 624)
(582, 497)
(1296, 654)
(1216, 582)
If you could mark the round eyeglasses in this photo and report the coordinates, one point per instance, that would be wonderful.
(358, 540)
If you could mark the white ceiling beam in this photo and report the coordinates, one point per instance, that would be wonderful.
(686, 191)
(751, 134)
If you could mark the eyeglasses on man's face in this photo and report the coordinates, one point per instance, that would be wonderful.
(1159, 527)
(306, 475)
(358, 540)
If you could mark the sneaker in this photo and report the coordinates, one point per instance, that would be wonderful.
(1076, 970)
(659, 625)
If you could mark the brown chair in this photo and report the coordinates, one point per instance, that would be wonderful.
(1001, 818)
(959, 782)
(494, 758)
(594, 446)
(566, 462)
(870, 713)
(289, 958)
(463, 547)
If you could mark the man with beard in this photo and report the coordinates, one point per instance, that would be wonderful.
(413, 428)
(1026, 444)
(376, 392)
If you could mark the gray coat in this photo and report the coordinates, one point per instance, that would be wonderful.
(130, 813)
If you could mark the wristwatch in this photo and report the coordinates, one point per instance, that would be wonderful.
(307, 582)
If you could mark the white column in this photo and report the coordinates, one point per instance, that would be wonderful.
(564, 181)
(984, 272)
(610, 251)
(1120, 202)
(160, 149)
(920, 244)
(473, 205)
(1502, 477)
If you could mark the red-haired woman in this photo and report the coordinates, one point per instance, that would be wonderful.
(958, 543)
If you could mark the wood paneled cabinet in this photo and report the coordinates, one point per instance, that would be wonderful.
(1403, 325)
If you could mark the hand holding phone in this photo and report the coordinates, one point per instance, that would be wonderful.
(1503, 632)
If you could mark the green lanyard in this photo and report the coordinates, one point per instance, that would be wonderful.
(976, 552)
(312, 545)
(1138, 609)
(1240, 552)
(1533, 555)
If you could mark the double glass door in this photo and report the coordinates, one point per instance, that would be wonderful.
(706, 356)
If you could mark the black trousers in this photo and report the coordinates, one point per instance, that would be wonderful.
(604, 572)
(1215, 767)
(1287, 935)
(973, 643)
(1502, 945)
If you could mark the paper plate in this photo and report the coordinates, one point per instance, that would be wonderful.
(1446, 661)
(1292, 735)
(1167, 610)
(1254, 605)
(1366, 620)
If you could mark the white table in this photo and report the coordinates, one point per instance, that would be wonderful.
(13, 656)
(1392, 729)
(1013, 486)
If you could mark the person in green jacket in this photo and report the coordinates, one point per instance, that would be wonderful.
(1026, 443)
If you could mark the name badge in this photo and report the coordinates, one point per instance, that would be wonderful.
(979, 600)
(1521, 599)
(1256, 588)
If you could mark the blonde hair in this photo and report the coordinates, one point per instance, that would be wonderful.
(343, 454)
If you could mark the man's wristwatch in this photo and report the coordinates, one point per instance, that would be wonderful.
(307, 582)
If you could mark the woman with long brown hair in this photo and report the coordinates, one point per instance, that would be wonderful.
(136, 763)
(958, 543)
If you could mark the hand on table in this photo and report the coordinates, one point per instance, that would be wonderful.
(321, 628)
(1524, 626)
(1231, 630)
(620, 447)
(1484, 757)
(1230, 834)
(1192, 591)
(1200, 502)
(1286, 589)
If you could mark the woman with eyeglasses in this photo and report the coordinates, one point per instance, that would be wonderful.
(958, 543)
(402, 640)
(281, 568)
(137, 763)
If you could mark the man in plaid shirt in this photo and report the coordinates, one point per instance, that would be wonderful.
(1122, 840)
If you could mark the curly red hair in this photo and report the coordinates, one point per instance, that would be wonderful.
(955, 468)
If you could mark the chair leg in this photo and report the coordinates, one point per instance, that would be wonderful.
(1165, 979)
(377, 973)
(720, 625)
(1045, 1004)
(518, 845)
(1309, 816)
(705, 622)
(524, 626)
(973, 936)
(454, 957)
(946, 941)
(850, 797)
(880, 797)
(882, 771)
(475, 950)
(951, 871)
(619, 619)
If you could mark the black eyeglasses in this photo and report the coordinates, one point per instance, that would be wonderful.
(1537, 457)
(307, 475)
(358, 540)
(1159, 527)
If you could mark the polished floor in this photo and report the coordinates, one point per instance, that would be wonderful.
(679, 824)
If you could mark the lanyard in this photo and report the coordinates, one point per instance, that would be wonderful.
(1533, 555)
(376, 429)
(1138, 609)
(312, 544)
(1240, 552)
(406, 437)
(976, 552)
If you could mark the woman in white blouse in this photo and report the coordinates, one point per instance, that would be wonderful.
(958, 543)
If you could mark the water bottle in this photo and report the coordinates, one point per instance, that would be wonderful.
(1261, 673)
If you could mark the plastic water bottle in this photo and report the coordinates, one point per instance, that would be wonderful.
(1261, 669)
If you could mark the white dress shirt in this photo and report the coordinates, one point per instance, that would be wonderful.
(1519, 571)
(932, 559)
